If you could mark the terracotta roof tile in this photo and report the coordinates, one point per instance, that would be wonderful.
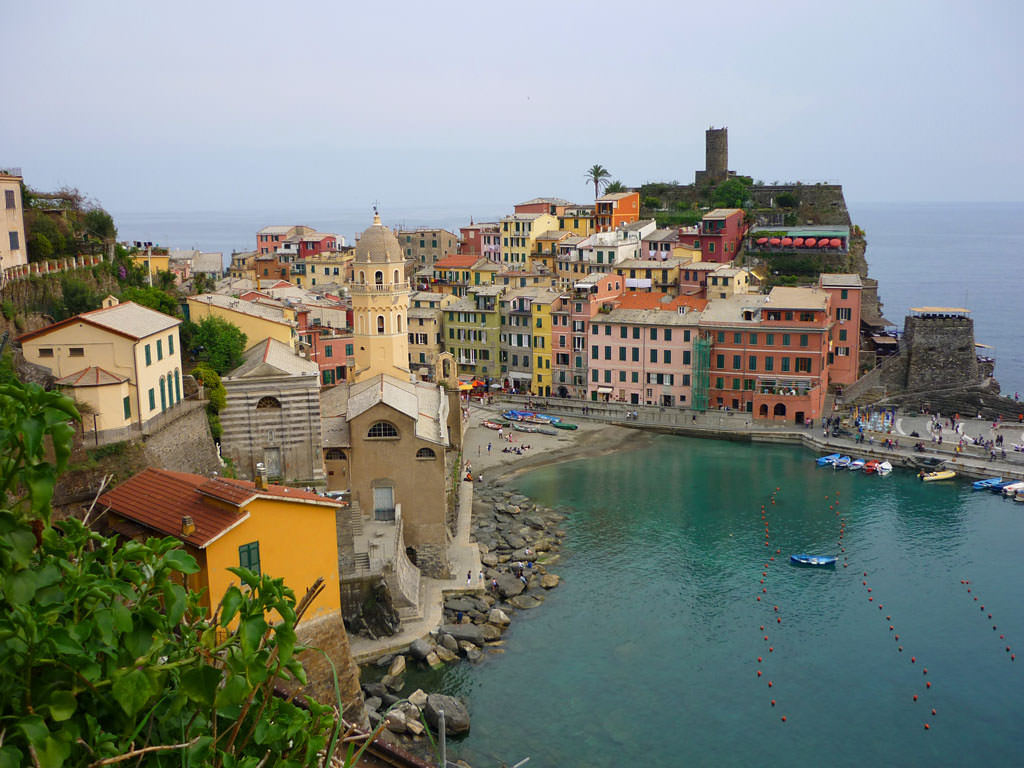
(158, 499)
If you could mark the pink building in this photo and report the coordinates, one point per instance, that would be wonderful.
(659, 244)
(844, 340)
(571, 315)
(719, 235)
(642, 351)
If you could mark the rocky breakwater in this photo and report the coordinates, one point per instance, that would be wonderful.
(518, 542)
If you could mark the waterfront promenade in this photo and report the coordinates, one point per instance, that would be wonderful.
(973, 462)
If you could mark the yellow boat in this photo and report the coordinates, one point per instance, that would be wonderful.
(942, 474)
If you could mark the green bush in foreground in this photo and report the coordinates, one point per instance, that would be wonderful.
(106, 657)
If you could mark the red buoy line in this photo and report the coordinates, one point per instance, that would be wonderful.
(764, 593)
(899, 647)
(987, 614)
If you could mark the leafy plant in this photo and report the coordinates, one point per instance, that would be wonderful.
(615, 186)
(107, 656)
(219, 343)
(598, 175)
(154, 298)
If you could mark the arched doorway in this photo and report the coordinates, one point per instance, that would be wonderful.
(780, 410)
(763, 411)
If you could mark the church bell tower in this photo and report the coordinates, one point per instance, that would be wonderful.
(380, 305)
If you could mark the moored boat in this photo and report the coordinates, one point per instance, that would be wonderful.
(856, 464)
(495, 425)
(822, 461)
(819, 561)
(842, 462)
(941, 474)
(885, 468)
(980, 485)
(870, 467)
(998, 487)
(564, 425)
(1012, 488)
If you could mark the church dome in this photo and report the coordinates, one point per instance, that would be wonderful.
(378, 244)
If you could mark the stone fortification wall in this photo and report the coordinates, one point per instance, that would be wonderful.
(940, 353)
(184, 445)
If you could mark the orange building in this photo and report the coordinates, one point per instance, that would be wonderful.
(223, 522)
(616, 208)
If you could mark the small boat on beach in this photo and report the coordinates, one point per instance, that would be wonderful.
(941, 474)
(856, 464)
(984, 485)
(842, 462)
(823, 461)
(884, 469)
(495, 425)
(519, 426)
(870, 467)
(530, 417)
(564, 425)
(818, 561)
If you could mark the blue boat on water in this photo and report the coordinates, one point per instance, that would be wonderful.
(823, 461)
(817, 561)
(981, 485)
(856, 464)
(842, 462)
(998, 487)
(530, 417)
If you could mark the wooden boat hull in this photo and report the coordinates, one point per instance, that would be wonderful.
(824, 461)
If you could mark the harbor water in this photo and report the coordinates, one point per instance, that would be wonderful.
(648, 652)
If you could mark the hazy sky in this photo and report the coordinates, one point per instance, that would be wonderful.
(252, 105)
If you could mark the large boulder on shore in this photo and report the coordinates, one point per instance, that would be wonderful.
(468, 632)
(419, 648)
(509, 585)
(498, 617)
(549, 580)
(397, 668)
(456, 716)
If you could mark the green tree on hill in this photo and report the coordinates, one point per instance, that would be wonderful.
(154, 298)
(615, 186)
(731, 193)
(219, 343)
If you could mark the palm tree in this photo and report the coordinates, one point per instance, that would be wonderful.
(599, 175)
(615, 186)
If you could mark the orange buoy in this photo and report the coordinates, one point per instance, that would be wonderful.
(870, 599)
(1007, 649)
(913, 659)
(924, 671)
(764, 589)
(1013, 656)
(777, 551)
(888, 618)
(869, 589)
(927, 685)
(779, 620)
(897, 637)
(900, 649)
(770, 649)
(758, 659)
(766, 637)
(783, 718)
(762, 629)
(759, 598)
(759, 673)
(933, 712)
(773, 702)
(890, 626)
(776, 608)
(915, 697)
(926, 726)
(769, 683)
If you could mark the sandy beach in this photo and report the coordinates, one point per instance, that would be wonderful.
(593, 438)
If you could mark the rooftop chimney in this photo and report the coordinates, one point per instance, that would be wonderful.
(261, 476)
(188, 525)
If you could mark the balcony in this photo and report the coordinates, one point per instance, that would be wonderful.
(370, 289)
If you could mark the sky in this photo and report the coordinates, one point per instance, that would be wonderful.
(233, 106)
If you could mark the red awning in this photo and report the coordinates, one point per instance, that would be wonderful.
(775, 241)
(798, 242)
(762, 240)
(787, 241)
(835, 242)
(810, 242)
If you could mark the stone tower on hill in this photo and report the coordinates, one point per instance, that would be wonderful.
(380, 305)
(716, 157)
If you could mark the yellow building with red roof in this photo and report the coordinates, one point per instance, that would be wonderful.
(222, 522)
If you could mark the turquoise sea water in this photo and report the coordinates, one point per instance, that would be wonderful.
(647, 654)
